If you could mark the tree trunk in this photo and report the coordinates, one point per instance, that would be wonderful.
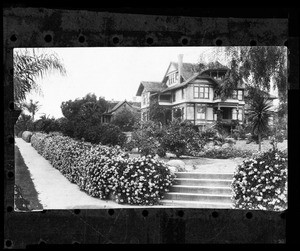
(259, 142)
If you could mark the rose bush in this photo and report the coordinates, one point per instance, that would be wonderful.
(106, 172)
(260, 182)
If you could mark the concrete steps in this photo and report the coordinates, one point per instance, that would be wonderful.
(200, 190)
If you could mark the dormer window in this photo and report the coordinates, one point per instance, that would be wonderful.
(173, 78)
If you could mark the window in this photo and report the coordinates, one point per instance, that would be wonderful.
(234, 113)
(234, 94)
(200, 112)
(240, 95)
(173, 96)
(182, 93)
(145, 99)
(173, 78)
(240, 115)
(196, 91)
(201, 92)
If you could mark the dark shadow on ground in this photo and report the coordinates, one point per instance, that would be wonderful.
(26, 196)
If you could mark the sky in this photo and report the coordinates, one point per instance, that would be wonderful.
(111, 72)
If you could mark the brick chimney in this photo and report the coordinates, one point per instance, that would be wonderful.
(180, 56)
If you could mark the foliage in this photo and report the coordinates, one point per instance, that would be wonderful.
(257, 65)
(239, 132)
(261, 182)
(106, 172)
(259, 113)
(212, 135)
(147, 138)
(46, 124)
(31, 107)
(125, 119)
(83, 121)
(24, 123)
(30, 65)
(181, 138)
(218, 152)
(88, 109)
(158, 113)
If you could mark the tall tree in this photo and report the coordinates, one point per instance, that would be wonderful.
(257, 66)
(29, 65)
(88, 108)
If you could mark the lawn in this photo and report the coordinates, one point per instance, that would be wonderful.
(201, 164)
(24, 182)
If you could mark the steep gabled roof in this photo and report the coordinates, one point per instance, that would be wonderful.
(216, 66)
(176, 86)
(188, 69)
(136, 105)
(150, 87)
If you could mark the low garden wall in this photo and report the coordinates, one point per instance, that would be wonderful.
(106, 172)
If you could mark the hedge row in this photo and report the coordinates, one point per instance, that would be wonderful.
(106, 172)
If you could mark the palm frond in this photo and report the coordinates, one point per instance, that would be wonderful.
(28, 68)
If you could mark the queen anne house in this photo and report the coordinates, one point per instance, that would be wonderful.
(191, 91)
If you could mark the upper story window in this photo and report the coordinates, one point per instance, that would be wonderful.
(234, 94)
(145, 99)
(173, 96)
(240, 95)
(173, 78)
(182, 93)
(201, 91)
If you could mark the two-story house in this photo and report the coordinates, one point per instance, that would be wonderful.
(186, 88)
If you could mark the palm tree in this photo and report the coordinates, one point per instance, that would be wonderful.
(31, 107)
(259, 113)
(28, 66)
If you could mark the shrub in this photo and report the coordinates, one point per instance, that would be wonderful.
(147, 138)
(261, 182)
(181, 138)
(225, 153)
(126, 119)
(26, 136)
(46, 124)
(239, 132)
(141, 181)
(106, 134)
(24, 123)
(106, 172)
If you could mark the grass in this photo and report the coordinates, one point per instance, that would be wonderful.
(24, 181)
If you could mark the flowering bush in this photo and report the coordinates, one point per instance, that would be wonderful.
(261, 182)
(106, 172)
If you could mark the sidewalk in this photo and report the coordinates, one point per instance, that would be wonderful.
(54, 190)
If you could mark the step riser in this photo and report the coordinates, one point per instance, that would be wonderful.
(211, 183)
(204, 198)
(225, 191)
(204, 176)
(194, 205)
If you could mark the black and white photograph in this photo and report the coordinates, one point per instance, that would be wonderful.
(151, 127)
